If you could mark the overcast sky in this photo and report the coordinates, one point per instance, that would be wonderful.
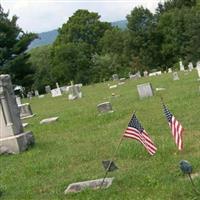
(45, 15)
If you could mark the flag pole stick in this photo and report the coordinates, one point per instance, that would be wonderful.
(193, 185)
(115, 153)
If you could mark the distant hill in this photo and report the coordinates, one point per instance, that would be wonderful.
(45, 38)
(49, 37)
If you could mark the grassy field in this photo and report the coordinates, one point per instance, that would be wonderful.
(71, 149)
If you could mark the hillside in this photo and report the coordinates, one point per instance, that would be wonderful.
(72, 149)
(49, 37)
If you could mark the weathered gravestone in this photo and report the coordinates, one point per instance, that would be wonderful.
(115, 77)
(74, 92)
(36, 93)
(92, 184)
(56, 92)
(13, 139)
(145, 90)
(135, 76)
(145, 73)
(169, 70)
(49, 120)
(190, 66)
(47, 89)
(25, 111)
(104, 107)
(175, 76)
(198, 68)
(181, 65)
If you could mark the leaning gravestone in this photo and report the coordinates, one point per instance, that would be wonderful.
(175, 76)
(104, 107)
(13, 139)
(145, 90)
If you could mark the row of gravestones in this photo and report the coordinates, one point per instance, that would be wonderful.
(73, 90)
(137, 75)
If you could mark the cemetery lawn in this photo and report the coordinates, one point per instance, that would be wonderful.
(71, 149)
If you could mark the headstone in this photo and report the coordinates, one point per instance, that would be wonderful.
(169, 70)
(47, 89)
(198, 68)
(145, 90)
(74, 92)
(29, 95)
(56, 92)
(181, 65)
(57, 85)
(121, 83)
(49, 120)
(122, 79)
(135, 76)
(41, 96)
(25, 111)
(145, 73)
(13, 139)
(104, 107)
(112, 86)
(155, 73)
(175, 76)
(18, 100)
(64, 89)
(93, 184)
(190, 66)
(115, 77)
(36, 93)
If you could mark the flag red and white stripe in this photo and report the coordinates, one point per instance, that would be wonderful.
(176, 128)
(137, 132)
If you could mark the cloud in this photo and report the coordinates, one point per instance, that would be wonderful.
(44, 15)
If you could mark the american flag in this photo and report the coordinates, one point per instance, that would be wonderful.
(176, 128)
(137, 132)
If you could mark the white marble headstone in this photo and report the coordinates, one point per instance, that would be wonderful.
(56, 92)
(181, 65)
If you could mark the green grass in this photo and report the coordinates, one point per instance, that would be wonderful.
(71, 149)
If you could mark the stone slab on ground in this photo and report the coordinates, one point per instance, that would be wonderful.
(93, 184)
(49, 120)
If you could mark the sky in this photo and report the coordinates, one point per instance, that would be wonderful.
(45, 15)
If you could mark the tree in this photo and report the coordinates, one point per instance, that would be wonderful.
(77, 41)
(13, 46)
(41, 60)
(83, 26)
(144, 39)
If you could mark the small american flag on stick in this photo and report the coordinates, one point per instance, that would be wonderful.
(137, 132)
(176, 128)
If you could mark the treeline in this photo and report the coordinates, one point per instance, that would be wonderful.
(89, 51)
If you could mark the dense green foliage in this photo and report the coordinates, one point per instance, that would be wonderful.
(89, 51)
(13, 44)
(71, 149)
